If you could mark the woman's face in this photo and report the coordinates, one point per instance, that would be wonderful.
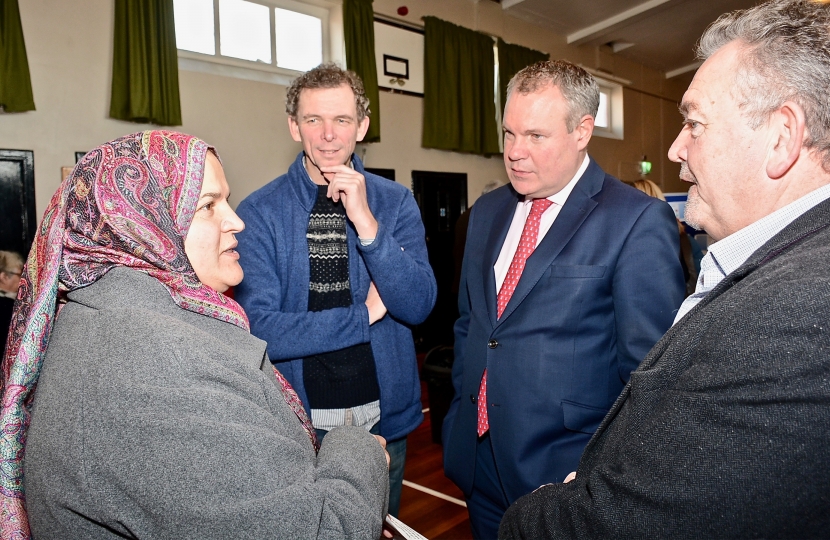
(210, 243)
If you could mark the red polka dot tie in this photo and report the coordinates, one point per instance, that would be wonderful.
(527, 244)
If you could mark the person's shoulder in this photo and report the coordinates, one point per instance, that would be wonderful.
(378, 184)
(614, 185)
(175, 329)
(134, 324)
(624, 195)
(384, 185)
(808, 237)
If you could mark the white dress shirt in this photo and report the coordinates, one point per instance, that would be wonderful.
(514, 234)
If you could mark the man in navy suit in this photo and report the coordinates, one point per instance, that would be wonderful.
(546, 342)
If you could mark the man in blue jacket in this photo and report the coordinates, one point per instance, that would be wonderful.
(336, 272)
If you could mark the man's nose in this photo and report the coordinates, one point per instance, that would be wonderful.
(677, 151)
(328, 131)
(515, 149)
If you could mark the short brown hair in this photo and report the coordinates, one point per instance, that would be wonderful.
(579, 88)
(327, 76)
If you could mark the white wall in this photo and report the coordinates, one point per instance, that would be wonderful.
(69, 46)
(400, 148)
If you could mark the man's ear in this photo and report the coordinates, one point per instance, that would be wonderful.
(294, 128)
(788, 124)
(362, 128)
(584, 130)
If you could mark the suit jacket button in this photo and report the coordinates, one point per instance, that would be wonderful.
(473, 399)
(492, 343)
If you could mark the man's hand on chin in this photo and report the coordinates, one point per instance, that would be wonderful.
(349, 186)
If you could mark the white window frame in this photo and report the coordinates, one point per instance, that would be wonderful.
(614, 90)
(331, 15)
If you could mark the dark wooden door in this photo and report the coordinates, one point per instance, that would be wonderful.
(389, 174)
(18, 221)
(442, 198)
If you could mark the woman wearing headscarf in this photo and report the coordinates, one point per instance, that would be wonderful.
(157, 413)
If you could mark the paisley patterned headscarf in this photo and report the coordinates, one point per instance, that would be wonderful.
(127, 203)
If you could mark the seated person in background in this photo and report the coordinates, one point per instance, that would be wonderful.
(722, 430)
(687, 257)
(157, 414)
(11, 267)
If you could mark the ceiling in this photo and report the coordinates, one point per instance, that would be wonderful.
(660, 34)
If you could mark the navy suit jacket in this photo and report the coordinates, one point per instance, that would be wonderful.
(600, 289)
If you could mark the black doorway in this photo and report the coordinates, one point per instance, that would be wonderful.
(18, 221)
(442, 198)
(389, 174)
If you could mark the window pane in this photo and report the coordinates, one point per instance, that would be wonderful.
(194, 25)
(244, 30)
(602, 113)
(299, 40)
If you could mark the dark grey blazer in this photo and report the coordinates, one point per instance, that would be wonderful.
(150, 421)
(724, 430)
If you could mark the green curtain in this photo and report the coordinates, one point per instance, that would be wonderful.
(359, 30)
(512, 58)
(145, 68)
(459, 108)
(15, 81)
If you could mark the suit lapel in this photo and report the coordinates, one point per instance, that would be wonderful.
(576, 209)
(503, 216)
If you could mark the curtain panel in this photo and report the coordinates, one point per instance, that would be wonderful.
(145, 67)
(15, 79)
(512, 59)
(459, 94)
(359, 31)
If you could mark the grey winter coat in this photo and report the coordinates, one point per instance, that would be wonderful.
(150, 421)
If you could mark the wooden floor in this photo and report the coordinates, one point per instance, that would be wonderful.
(430, 515)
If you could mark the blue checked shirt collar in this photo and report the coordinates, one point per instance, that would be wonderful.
(726, 255)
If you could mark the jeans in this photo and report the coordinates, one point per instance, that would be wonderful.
(397, 460)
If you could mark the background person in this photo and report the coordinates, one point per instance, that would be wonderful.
(336, 272)
(545, 342)
(11, 268)
(157, 414)
(717, 435)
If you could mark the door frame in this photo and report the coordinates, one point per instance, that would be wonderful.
(26, 160)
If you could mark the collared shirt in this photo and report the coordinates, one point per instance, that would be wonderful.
(514, 234)
(7, 294)
(364, 416)
(725, 256)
